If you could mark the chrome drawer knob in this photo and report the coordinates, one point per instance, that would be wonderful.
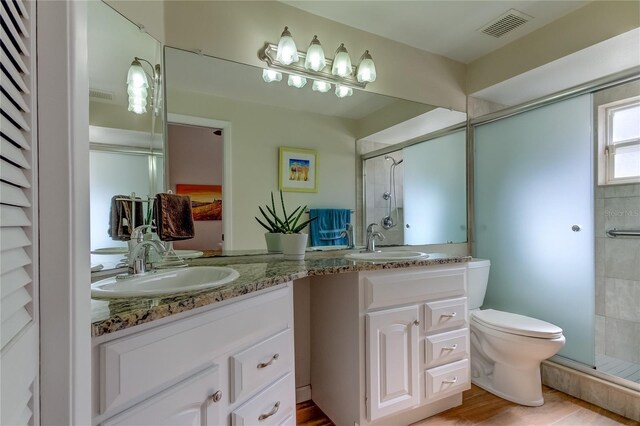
(416, 322)
(450, 348)
(216, 397)
(450, 382)
(451, 315)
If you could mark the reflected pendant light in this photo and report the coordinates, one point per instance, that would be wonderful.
(137, 85)
(296, 81)
(343, 91)
(270, 75)
(341, 62)
(321, 86)
(315, 59)
(366, 69)
(287, 50)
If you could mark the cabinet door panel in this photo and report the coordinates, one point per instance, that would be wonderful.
(190, 402)
(392, 361)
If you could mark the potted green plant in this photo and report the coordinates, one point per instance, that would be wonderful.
(293, 242)
(271, 222)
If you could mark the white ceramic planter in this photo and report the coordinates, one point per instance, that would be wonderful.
(273, 240)
(293, 246)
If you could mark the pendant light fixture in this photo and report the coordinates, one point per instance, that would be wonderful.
(315, 59)
(341, 62)
(287, 50)
(366, 69)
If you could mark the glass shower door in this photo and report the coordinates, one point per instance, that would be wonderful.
(534, 221)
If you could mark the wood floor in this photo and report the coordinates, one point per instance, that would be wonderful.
(482, 408)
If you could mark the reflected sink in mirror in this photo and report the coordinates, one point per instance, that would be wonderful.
(158, 283)
(386, 256)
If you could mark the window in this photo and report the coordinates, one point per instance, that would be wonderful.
(619, 141)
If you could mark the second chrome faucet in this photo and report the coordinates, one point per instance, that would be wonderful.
(372, 234)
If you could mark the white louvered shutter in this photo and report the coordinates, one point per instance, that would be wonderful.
(18, 279)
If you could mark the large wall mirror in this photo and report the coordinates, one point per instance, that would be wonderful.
(126, 148)
(246, 120)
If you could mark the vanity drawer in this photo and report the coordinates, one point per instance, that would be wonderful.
(272, 406)
(396, 287)
(446, 347)
(260, 364)
(443, 314)
(447, 380)
(138, 366)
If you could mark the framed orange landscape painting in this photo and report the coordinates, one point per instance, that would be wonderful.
(206, 200)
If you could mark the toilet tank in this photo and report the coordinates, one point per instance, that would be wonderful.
(478, 277)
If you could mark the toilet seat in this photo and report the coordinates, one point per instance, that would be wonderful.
(516, 324)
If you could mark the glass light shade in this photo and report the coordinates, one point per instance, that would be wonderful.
(315, 59)
(136, 76)
(137, 104)
(366, 69)
(343, 91)
(270, 75)
(341, 62)
(321, 86)
(296, 81)
(287, 51)
(139, 92)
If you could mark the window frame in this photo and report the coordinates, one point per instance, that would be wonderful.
(606, 148)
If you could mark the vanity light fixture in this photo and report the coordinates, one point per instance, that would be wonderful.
(366, 69)
(339, 71)
(138, 85)
(287, 50)
(296, 81)
(321, 86)
(341, 62)
(315, 59)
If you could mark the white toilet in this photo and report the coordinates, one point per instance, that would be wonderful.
(506, 348)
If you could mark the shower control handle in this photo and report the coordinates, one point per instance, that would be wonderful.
(576, 228)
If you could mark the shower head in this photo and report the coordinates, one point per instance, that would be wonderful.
(395, 163)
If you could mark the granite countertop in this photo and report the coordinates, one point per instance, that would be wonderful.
(256, 273)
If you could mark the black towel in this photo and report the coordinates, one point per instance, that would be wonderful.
(121, 219)
(173, 216)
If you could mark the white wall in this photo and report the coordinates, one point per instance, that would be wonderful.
(257, 132)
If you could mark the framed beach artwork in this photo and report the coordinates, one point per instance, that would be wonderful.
(206, 200)
(298, 170)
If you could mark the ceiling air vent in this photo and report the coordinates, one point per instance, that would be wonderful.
(505, 23)
(100, 95)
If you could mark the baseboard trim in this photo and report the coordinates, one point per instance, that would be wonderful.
(303, 394)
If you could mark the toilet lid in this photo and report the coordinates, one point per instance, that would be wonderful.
(517, 324)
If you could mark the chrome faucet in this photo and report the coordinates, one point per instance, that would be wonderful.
(139, 256)
(348, 233)
(371, 237)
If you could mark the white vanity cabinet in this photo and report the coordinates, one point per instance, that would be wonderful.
(230, 364)
(390, 346)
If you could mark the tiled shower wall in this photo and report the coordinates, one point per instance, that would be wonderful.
(617, 259)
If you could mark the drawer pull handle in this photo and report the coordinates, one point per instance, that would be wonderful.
(451, 315)
(271, 361)
(216, 397)
(270, 413)
(416, 322)
(450, 348)
(450, 382)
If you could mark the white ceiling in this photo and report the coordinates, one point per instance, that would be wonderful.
(448, 28)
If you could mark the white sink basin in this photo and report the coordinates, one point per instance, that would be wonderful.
(387, 256)
(166, 282)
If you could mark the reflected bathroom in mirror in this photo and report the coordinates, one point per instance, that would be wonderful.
(126, 133)
(415, 191)
(254, 118)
